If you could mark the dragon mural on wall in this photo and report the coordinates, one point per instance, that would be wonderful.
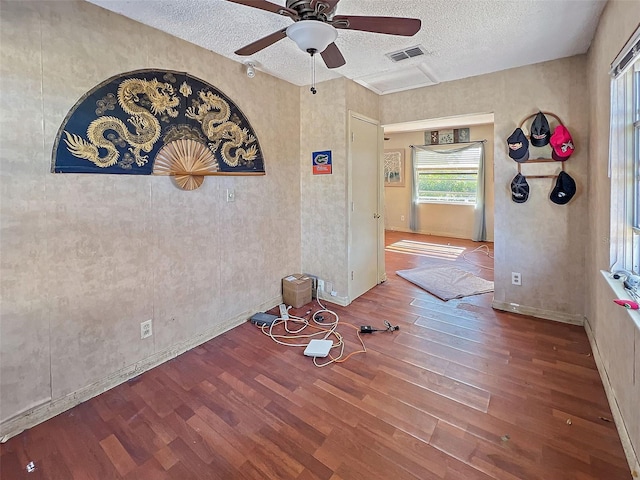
(156, 124)
(224, 135)
(147, 126)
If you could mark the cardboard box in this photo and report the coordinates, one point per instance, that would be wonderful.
(296, 290)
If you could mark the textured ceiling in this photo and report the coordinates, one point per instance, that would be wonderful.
(461, 38)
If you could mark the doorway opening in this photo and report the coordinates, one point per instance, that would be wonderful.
(439, 199)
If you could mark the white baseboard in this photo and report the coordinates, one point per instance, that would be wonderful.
(632, 459)
(345, 301)
(342, 301)
(574, 319)
(38, 414)
(434, 233)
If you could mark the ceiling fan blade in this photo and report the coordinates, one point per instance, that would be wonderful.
(389, 25)
(332, 56)
(262, 43)
(267, 6)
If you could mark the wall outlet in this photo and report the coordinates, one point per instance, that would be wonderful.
(321, 285)
(146, 329)
(516, 278)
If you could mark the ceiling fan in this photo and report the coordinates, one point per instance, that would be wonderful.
(314, 30)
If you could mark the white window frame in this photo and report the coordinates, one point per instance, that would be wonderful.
(635, 256)
(624, 158)
(450, 161)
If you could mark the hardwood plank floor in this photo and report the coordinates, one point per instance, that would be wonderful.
(459, 392)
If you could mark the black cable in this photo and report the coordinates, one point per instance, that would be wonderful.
(370, 329)
(391, 328)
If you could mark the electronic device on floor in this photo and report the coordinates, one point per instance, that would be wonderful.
(318, 348)
(262, 318)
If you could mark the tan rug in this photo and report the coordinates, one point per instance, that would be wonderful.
(447, 282)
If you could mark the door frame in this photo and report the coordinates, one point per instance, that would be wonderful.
(381, 273)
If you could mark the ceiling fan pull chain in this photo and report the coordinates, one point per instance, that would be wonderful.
(313, 74)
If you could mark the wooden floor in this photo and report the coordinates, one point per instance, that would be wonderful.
(460, 392)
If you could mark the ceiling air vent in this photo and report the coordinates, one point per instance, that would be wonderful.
(407, 53)
(402, 77)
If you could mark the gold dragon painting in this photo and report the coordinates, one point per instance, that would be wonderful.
(157, 122)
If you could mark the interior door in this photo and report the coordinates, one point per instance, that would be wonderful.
(365, 191)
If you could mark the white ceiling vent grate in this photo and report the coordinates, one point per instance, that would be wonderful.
(403, 77)
(407, 53)
(397, 56)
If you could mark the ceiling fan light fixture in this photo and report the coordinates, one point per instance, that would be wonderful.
(312, 36)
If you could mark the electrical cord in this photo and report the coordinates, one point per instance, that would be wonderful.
(370, 329)
(294, 336)
(634, 295)
(339, 359)
(487, 253)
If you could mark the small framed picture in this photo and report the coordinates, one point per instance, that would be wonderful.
(394, 168)
(428, 140)
(445, 136)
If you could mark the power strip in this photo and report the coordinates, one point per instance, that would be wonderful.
(284, 312)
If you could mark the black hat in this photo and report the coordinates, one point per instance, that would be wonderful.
(540, 131)
(519, 189)
(518, 146)
(564, 190)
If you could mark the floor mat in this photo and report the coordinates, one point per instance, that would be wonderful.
(447, 282)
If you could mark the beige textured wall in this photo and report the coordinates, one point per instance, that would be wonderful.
(86, 258)
(445, 220)
(363, 101)
(616, 336)
(543, 241)
(323, 199)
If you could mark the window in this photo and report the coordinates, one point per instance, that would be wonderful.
(447, 176)
(624, 158)
(635, 265)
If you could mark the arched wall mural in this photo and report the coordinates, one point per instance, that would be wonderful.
(157, 122)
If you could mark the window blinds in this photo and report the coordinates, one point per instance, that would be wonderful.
(627, 55)
(457, 158)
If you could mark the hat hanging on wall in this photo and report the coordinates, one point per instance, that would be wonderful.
(518, 146)
(564, 190)
(561, 144)
(540, 131)
(519, 189)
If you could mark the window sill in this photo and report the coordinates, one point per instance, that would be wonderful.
(459, 204)
(620, 292)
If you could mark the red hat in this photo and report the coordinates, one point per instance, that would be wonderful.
(561, 144)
